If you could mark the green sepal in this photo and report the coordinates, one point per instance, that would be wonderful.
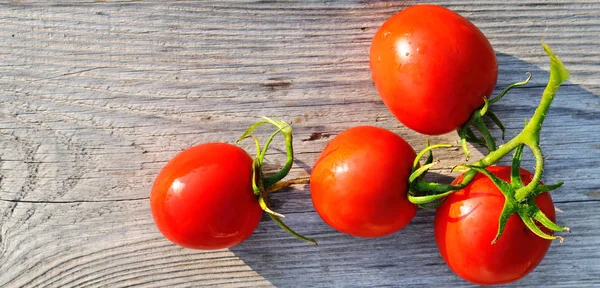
(262, 154)
(495, 99)
(508, 210)
(432, 205)
(490, 142)
(286, 130)
(540, 217)
(471, 137)
(497, 121)
(545, 188)
(462, 133)
(486, 106)
(504, 187)
(420, 171)
(420, 200)
(476, 120)
(425, 150)
(420, 187)
(515, 172)
(256, 177)
(256, 143)
(265, 207)
(528, 221)
(291, 231)
(429, 155)
(259, 182)
(422, 192)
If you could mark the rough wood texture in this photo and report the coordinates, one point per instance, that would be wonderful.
(95, 96)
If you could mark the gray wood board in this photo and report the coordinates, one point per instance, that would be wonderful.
(95, 97)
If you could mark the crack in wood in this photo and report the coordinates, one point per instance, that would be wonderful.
(70, 73)
(317, 136)
(72, 201)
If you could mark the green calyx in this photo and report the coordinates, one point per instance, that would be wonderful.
(527, 210)
(476, 121)
(530, 135)
(262, 185)
(427, 194)
(519, 197)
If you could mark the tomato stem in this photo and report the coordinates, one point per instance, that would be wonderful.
(495, 99)
(497, 121)
(261, 185)
(422, 192)
(476, 120)
(263, 152)
(289, 230)
(286, 131)
(519, 197)
(284, 184)
(427, 149)
(530, 135)
(426, 199)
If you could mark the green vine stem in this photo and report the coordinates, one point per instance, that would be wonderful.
(530, 135)
(476, 121)
(422, 192)
(286, 130)
(262, 185)
(519, 197)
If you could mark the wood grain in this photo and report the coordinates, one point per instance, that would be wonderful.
(96, 96)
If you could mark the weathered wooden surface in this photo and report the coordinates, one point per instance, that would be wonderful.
(95, 96)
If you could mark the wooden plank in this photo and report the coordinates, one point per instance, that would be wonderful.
(95, 97)
(118, 247)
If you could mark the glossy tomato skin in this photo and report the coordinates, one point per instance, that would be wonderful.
(431, 67)
(359, 183)
(467, 222)
(203, 197)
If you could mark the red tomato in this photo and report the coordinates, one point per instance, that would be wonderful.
(203, 197)
(467, 222)
(431, 67)
(359, 183)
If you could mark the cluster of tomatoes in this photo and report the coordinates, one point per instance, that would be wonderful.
(435, 73)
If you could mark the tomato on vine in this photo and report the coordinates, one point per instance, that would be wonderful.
(203, 197)
(467, 221)
(497, 227)
(213, 195)
(432, 68)
(359, 183)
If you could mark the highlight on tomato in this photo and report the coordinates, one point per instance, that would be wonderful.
(213, 195)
